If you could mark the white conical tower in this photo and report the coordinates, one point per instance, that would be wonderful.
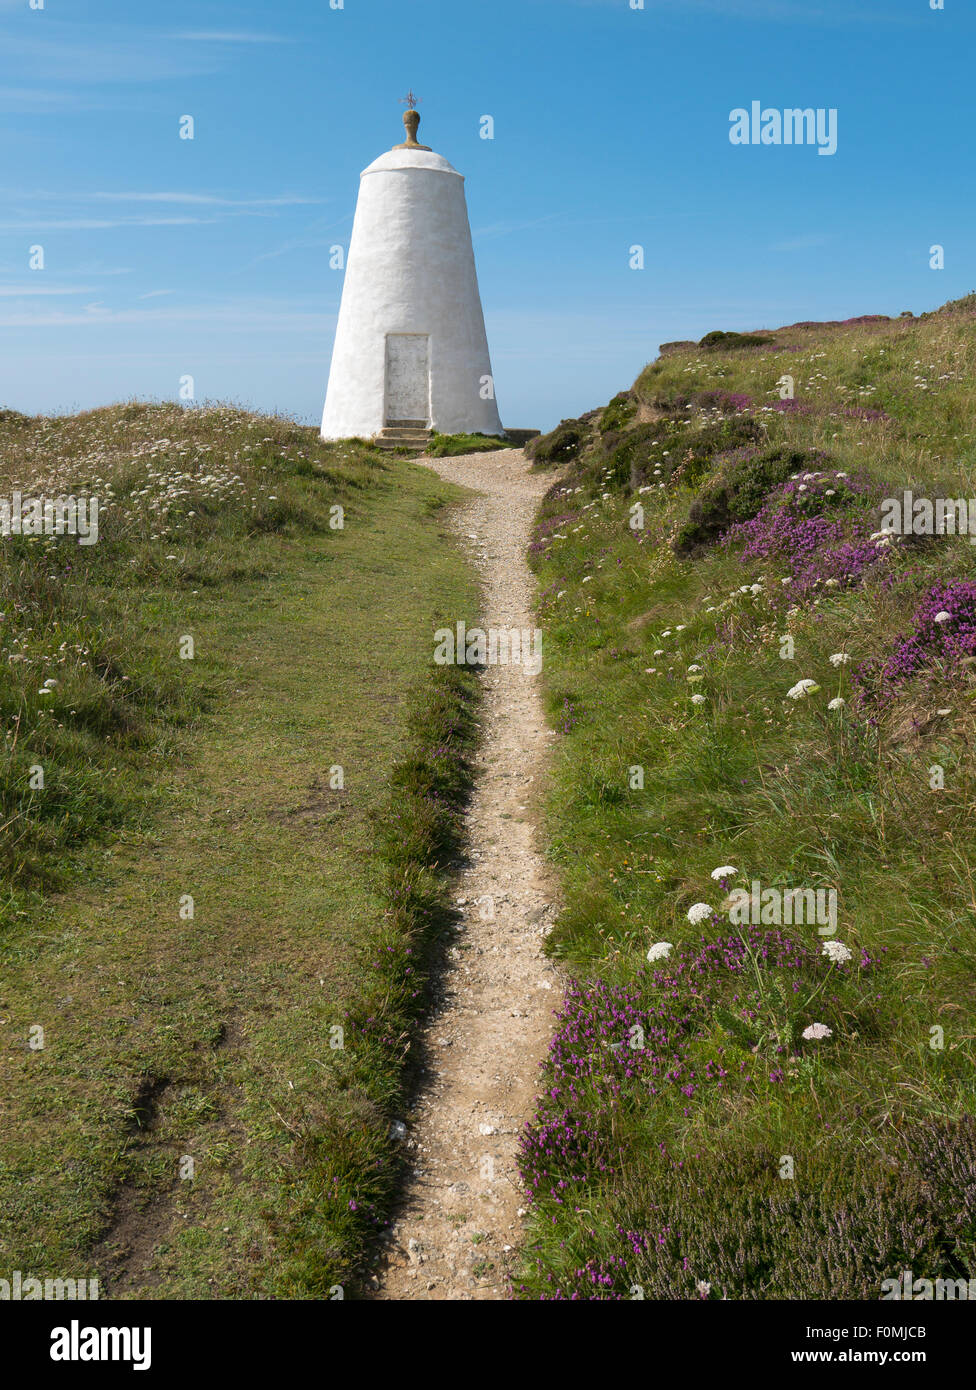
(410, 344)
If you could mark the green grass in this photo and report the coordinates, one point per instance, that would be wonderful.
(213, 1038)
(449, 445)
(789, 793)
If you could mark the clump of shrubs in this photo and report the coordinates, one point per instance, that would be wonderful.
(674, 403)
(618, 413)
(738, 432)
(633, 458)
(738, 492)
(671, 451)
(719, 341)
(561, 445)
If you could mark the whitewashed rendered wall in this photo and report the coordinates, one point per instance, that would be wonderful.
(410, 269)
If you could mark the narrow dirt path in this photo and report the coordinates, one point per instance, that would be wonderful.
(459, 1227)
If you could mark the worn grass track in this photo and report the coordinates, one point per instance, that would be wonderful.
(170, 1039)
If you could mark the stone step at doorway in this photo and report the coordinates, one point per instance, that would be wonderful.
(404, 434)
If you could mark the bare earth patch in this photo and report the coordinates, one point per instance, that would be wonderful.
(459, 1227)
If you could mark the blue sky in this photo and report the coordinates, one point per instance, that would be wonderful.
(167, 257)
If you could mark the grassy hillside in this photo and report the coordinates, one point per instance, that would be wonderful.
(212, 944)
(754, 687)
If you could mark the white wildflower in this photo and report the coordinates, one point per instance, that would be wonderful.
(660, 950)
(724, 871)
(802, 689)
(698, 912)
(816, 1031)
(836, 952)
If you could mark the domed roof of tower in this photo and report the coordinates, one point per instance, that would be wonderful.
(411, 159)
(411, 155)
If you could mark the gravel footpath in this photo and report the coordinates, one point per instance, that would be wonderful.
(459, 1227)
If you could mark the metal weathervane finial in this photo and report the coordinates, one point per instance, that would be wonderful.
(410, 101)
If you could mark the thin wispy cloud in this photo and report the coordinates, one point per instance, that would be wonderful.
(213, 208)
(97, 224)
(783, 11)
(494, 229)
(314, 236)
(229, 36)
(37, 100)
(214, 200)
(71, 54)
(233, 315)
(101, 224)
(206, 199)
(93, 268)
(33, 291)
